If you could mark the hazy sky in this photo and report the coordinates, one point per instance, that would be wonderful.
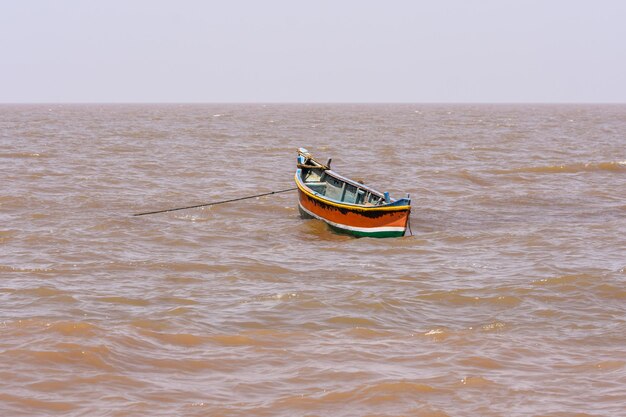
(312, 51)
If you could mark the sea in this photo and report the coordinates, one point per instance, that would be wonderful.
(506, 298)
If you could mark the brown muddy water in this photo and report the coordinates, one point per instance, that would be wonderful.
(508, 300)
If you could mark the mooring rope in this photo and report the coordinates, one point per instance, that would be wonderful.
(216, 202)
(305, 166)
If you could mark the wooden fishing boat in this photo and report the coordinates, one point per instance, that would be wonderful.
(347, 206)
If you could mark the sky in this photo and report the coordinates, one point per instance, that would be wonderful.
(210, 51)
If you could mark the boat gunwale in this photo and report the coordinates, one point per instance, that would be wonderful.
(340, 177)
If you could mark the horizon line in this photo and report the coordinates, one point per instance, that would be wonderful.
(313, 102)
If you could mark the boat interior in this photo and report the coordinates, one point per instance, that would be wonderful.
(343, 191)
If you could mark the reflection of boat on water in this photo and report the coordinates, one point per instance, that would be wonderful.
(347, 206)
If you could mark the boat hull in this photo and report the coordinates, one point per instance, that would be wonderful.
(354, 220)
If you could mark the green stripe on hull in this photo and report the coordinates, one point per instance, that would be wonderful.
(366, 234)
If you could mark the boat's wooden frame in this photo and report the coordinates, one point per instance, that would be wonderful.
(347, 206)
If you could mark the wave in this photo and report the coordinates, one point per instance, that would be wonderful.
(107, 379)
(481, 362)
(439, 334)
(124, 300)
(376, 394)
(65, 355)
(36, 405)
(582, 280)
(8, 268)
(476, 382)
(74, 328)
(615, 166)
(179, 339)
(22, 155)
(39, 294)
(455, 298)
(352, 321)
(258, 337)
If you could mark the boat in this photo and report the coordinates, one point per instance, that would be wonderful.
(347, 206)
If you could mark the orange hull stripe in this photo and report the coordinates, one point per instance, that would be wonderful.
(352, 218)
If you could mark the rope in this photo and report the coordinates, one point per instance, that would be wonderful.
(216, 202)
(304, 166)
(309, 157)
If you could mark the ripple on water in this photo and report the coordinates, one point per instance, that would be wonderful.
(481, 362)
(62, 355)
(29, 404)
(455, 298)
(382, 396)
(139, 302)
(258, 338)
(178, 339)
(351, 321)
(112, 381)
(76, 329)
